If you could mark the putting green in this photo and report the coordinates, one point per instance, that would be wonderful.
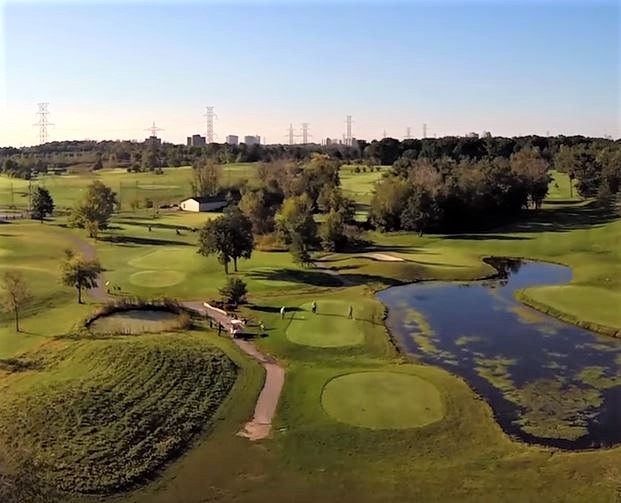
(155, 279)
(382, 400)
(329, 328)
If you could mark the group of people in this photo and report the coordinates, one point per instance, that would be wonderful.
(350, 310)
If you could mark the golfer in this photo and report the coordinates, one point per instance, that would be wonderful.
(314, 307)
(350, 312)
(282, 312)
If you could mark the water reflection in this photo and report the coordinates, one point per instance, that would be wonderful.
(547, 381)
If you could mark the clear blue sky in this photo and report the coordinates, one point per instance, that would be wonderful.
(110, 69)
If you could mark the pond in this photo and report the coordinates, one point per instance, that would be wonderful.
(548, 382)
(135, 321)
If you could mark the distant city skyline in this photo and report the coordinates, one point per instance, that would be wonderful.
(110, 70)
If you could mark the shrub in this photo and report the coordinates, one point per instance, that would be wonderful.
(234, 292)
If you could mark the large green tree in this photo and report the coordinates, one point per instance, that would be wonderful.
(229, 237)
(42, 203)
(94, 210)
(79, 272)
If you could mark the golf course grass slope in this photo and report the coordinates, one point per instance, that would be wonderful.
(102, 415)
(382, 400)
(328, 328)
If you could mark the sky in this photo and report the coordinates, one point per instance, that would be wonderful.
(109, 69)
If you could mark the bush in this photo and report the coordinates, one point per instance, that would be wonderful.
(357, 169)
(234, 292)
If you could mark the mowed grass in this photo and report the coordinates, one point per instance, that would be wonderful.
(161, 262)
(102, 415)
(382, 400)
(36, 250)
(171, 186)
(329, 327)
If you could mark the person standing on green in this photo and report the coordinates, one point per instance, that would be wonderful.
(314, 307)
(282, 312)
(350, 312)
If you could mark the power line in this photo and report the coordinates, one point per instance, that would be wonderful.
(43, 123)
(209, 115)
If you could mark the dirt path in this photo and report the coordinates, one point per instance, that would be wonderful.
(265, 408)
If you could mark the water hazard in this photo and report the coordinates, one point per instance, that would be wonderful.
(548, 382)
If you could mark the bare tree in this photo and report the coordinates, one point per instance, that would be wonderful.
(16, 294)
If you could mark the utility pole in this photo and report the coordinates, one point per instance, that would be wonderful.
(348, 138)
(210, 115)
(291, 135)
(43, 123)
(424, 130)
(305, 134)
(154, 129)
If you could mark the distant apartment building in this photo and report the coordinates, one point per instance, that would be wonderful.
(232, 139)
(252, 140)
(196, 140)
(152, 141)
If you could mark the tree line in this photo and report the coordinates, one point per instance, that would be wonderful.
(143, 156)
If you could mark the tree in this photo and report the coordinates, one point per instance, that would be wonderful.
(42, 203)
(206, 177)
(253, 204)
(332, 231)
(388, 202)
(296, 218)
(229, 237)
(532, 171)
(234, 292)
(421, 211)
(299, 251)
(96, 206)
(79, 272)
(16, 294)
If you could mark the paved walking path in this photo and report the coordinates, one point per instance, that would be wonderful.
(265, 408)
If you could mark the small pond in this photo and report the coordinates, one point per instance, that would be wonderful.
(135, 321)
(548, 382)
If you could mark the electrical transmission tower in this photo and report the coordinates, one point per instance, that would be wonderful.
(384, 134)
(291, 134)
(408, 133)
(348, 138)
(154, 129)
(210, 116)
(305, 134)
(425, 130)
(43, 123)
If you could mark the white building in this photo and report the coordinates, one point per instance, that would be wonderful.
(232, 139)
(199, 204)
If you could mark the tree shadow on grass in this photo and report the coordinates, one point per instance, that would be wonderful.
(308, 277)
(154, 225)
(133, 240)
(483, 237)
(565, 219)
